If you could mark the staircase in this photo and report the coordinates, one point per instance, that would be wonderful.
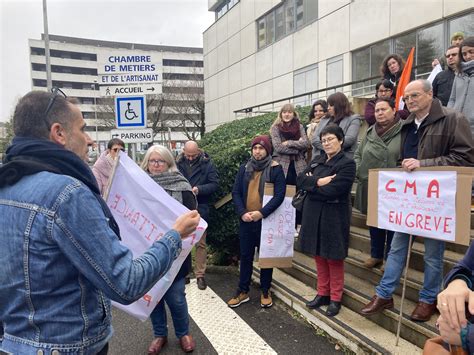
(375, 334)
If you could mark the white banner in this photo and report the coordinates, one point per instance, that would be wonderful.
(144, 213)
(422, 203)
(436, 70)
(278, 231)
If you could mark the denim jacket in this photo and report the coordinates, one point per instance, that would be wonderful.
(61, 265)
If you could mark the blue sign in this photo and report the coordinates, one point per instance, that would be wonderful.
(130, 111)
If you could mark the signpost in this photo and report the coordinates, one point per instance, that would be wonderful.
(130, 112)
(125, 90)
(133, 135)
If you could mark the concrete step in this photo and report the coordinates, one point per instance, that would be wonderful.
(358, 292)
(361, 335)
(359, 221)
(360, 240)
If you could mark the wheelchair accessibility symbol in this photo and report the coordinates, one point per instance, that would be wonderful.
(130, 111)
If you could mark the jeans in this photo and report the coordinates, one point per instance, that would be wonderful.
(378, 238)
(249, 233)
(175, 298)
(433, 275)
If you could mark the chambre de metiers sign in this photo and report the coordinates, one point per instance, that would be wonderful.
(129, 67)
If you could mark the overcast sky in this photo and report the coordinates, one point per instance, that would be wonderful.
(167, 22)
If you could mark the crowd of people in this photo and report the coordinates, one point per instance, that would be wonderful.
(53, 249)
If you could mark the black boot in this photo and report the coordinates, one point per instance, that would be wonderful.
(318, 302)
(333, 309)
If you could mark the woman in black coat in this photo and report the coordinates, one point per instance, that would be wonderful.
(326, 216)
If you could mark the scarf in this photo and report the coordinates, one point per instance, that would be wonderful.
(28, 156)
(259, 165)
(467, 67)
(290, 130)
(381, 130)
(174, 183)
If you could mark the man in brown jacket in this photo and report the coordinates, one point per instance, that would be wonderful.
(431, 136)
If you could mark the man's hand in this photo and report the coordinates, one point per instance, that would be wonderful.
(448, 334)
(195, 190)
(246, 217)
(435, 62)
(187, 223)
(410, 164)
(256, 216)
(451, 304)
(325, 180)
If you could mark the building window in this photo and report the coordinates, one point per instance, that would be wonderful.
(305, 80)
(224, 7)
(334, 72)
(182, 63)
(284, 19)
(429, 46)
(462, 24)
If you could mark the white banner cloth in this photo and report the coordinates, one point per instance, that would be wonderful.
(144, 213)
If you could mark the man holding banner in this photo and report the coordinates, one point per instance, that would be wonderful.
(247, 194)
(431, 136)
(62, 261)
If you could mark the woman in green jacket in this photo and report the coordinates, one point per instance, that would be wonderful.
(379, 149)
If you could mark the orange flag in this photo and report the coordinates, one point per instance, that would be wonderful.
(404, 79)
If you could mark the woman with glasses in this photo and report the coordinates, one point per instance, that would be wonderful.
(462, 94)
(326, 217)
(339, 113)
(159, 163)
(383, 90)
(103, 166)
(379, 149)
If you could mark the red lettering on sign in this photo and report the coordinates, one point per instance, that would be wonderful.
(388, 188)
(433, 187)
(410, 185)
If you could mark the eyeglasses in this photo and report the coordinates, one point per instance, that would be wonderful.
(156, 162)
(327, 140)
(117, 149)
(55, 91)
(413, 96)
(451, 55)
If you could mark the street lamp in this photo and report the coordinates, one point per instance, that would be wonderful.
(93, 87)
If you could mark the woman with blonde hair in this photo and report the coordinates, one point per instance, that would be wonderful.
(159, 163)
(290, 143)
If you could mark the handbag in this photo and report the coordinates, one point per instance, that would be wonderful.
(298, 200)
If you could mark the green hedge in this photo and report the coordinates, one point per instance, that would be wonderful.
(229, 147)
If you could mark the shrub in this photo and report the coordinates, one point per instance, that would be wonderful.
(229, 147)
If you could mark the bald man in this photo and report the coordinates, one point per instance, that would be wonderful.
(196, 166)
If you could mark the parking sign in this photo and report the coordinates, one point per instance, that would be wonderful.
(130, 111)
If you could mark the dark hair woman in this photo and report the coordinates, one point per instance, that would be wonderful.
(379, 149)
(462, 94)
(391, 69)
(159, 163)
(339, 113)
(326, 216)
(384, 89)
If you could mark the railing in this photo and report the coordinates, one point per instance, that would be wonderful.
(357, 88)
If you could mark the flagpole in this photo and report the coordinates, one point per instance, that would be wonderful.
(403, 290)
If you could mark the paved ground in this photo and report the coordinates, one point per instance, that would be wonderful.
(248, 330)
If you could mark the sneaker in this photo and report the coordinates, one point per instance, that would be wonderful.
(266, 299)
(239, 298)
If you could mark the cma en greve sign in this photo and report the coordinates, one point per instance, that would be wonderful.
(130, 112)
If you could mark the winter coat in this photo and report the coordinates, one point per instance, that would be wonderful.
(102, 170)
(349, 124)
(443, 84)
(444, 138)
(241, 185)
(375, 152)
(204, 176)
(327, 209)
(462, 95)
(294, 150)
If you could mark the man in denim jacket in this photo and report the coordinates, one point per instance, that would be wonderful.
(61, 258)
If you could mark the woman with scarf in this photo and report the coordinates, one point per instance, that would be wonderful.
(318, 111)
(327, 215)
(339, 113)
(379, 149)
(462, 94)
(160, 165)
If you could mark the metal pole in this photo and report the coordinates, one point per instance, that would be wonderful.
(95, 113)
(403, 290)
(49, 83)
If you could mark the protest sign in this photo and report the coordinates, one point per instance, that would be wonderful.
(278, 232)
(429, 202)
(144, 213)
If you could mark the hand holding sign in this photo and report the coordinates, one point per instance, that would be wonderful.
(410, 164)
(187, 223)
